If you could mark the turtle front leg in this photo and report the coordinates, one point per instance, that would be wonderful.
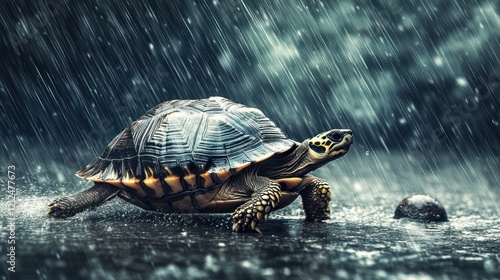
(89, 199)
(316, 197)
(247, 216)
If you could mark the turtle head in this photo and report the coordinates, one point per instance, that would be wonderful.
(331, 144)
(310, 155)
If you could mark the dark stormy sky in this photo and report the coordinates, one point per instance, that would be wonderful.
(421, 77)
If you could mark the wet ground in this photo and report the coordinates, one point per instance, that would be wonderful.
(362, 241)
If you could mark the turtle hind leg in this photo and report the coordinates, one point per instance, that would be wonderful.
(86, 200)
(316, 197)
(265, 197)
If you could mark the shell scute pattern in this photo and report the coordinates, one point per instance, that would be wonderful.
(184, 145)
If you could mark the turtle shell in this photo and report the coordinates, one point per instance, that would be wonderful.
(184, 145)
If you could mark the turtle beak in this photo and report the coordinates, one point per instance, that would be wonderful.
(348, 138)
(346, 131)
(342, 147)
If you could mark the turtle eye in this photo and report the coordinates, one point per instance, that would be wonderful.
(335, 136)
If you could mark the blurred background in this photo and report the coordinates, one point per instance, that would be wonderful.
(417, 81)
(412, 77)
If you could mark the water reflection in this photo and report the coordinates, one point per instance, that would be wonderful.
(120, 241)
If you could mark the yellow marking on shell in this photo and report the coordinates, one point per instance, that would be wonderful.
(174, 183)
(131, 183)
(170, 173)
(148, 173)
(223, 175)
(128, 181)
(95, 180)
(239, 168)
(154, 183)
(114, 174)
(207, 179)
(190, 178)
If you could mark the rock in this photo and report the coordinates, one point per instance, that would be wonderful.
(420, 207)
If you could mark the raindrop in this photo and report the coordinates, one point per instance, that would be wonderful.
(438, 61)
(461, 81)
(367, 153)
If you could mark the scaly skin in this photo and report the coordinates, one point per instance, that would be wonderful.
(316, 197)
(256, 185)
(247, 216)
(89, 199)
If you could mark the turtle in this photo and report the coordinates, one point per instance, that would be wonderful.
(210, 155)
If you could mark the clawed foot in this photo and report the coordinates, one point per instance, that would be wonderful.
(316, 199)
(61, 208)
(247, 216)
(89, 199)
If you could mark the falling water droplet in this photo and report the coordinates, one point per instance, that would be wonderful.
(367, 153)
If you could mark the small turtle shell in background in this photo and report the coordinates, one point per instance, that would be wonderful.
(420, 207)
